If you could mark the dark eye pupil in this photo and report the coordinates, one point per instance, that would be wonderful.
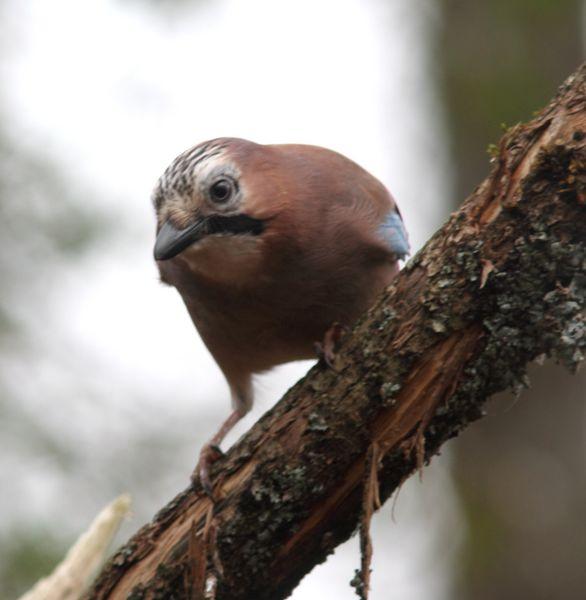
(221, 190)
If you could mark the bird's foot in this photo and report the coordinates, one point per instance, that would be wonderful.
(208, 455)
(326, 350)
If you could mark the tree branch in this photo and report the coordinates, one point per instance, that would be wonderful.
(500, 284)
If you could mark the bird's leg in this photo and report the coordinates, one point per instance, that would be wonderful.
(211, 452)
(326, 350)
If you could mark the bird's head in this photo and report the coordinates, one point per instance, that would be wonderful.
(210, 213)
(201, 194)
(237, 212)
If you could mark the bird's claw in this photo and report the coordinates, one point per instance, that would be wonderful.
(217, 451)
(326, 350)
(209, 454)
(324, 354)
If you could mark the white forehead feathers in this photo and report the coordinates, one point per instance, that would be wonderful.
(193, 165)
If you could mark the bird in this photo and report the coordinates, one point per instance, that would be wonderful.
(272, 248)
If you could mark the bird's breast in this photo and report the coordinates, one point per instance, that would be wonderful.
(223, 260)
(279, 320)
(256, 305)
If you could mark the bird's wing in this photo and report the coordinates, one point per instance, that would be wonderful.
(393, 232)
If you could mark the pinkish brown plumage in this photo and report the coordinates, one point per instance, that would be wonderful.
(268, 247)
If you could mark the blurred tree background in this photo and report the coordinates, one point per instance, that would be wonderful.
(41, 226)
(521, 471)
(50, 223)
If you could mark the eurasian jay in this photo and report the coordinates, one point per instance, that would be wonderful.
(269, 246)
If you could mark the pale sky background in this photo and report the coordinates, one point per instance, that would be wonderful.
(113, 91)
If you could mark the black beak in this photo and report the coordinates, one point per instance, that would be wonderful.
(171, 241)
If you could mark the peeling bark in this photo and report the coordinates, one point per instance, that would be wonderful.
(501, 283)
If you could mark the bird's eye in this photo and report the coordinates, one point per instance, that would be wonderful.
(221, 190)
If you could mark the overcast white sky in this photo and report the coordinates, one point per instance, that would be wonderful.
(114, 91)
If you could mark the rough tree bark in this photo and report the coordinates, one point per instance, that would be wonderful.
(502, 283)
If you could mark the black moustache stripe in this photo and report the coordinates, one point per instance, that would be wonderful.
(234, 225)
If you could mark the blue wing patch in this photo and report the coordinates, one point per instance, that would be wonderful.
(394, 234)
